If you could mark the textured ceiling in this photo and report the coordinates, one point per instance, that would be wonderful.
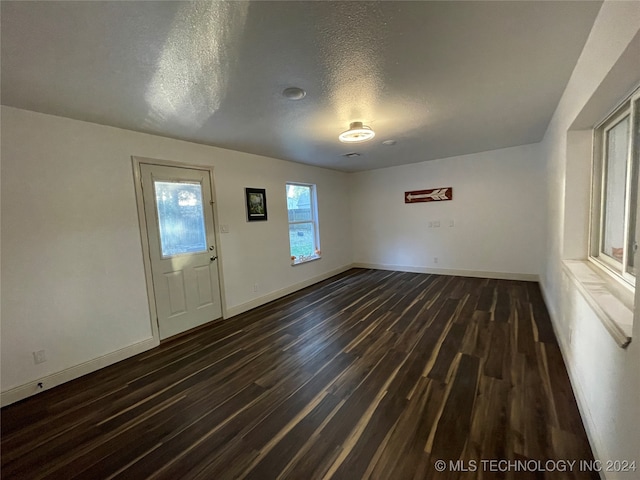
(441, 78)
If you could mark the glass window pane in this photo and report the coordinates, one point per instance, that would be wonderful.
(617, 142)
(302, 239)
(180, 217)
(299, 203)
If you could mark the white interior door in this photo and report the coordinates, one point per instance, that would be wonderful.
(179, 216)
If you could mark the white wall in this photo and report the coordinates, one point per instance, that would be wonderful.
(497, 211)
(606, 378)
(72, 269)
(72, 273)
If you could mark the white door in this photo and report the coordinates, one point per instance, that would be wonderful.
(179, 215)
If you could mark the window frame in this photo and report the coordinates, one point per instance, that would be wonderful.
(314, 222)
(159, 218)
(619, 270)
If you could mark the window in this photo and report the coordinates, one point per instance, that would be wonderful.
(180, 218)
(614, 236)
(304, 241)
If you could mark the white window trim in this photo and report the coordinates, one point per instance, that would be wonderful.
(314, 220)
(612, 303)
(602, 261)
(609, 292)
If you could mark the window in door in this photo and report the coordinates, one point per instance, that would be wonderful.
(180, 218)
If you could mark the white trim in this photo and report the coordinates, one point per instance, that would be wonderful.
(600, 161)
(144, 243)
(19, 393)
(603, 158)
(605, 266)
(303, 260)
(527, 277)
(587, 420)
(144, 237)
(610, 301)
(29, 389)
(313, 198)
(256, 302)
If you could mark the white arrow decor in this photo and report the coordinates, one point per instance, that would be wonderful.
(431, 195)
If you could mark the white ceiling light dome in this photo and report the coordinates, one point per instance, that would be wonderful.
(357, 133)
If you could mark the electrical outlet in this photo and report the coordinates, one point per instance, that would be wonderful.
(39, 357)
(436, 224)
(435, 259)
(255, 287)
(452, 223)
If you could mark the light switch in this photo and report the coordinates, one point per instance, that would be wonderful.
(224, 228)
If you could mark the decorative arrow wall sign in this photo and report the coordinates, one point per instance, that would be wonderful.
(431, 195)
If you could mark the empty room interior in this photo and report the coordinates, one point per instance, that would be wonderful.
(312, 240)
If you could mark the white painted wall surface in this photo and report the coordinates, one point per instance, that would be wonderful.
(72, 273)
(497, 211)
(72, 269)
(606, 378)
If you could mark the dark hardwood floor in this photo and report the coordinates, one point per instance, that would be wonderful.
(370, 374)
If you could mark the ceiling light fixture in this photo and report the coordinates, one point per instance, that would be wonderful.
(389, 143)
(357, 133)
(294, 93)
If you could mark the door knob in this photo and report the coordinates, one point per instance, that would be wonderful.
(213, 258)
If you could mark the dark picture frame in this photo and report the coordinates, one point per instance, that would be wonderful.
(256, 202)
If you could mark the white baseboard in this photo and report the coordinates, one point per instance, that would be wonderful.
(238, 309)
(583, 408)
(32, 388)
(19, 393)
(527, 277)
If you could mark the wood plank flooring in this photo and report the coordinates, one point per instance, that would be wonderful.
(370, 374)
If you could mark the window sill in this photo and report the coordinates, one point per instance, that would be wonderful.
(612, 302)
(300, 261)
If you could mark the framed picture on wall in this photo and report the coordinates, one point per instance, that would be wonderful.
(256, 199)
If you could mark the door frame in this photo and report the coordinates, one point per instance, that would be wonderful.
(144, 231)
